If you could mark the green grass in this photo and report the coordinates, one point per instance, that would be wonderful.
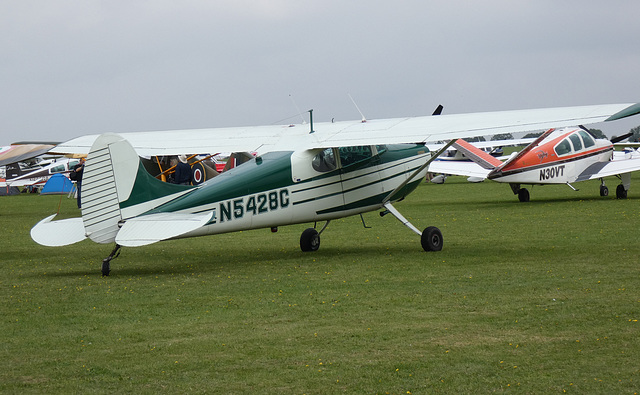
(542, 297)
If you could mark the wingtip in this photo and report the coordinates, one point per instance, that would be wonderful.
(633, 109)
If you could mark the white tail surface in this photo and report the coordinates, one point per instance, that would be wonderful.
(58, 233)
(108, 179)
(152, 228)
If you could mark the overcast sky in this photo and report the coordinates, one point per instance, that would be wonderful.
(69, 68)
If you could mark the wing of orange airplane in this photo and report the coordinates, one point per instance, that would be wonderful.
(619, 165)
(263, 139)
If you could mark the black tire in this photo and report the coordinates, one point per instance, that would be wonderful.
(431, 239)
(604, 191)
(523, 195)
(106, 267)
(621, 193)
(309, 240)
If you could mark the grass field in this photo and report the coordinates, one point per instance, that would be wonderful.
(538, 297)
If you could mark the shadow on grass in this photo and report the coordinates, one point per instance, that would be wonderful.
(177, 261)
(512, 202)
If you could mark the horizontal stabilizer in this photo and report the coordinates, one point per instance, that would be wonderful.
(148, 229)
(477, 155)
(58, 233)
(459, 168)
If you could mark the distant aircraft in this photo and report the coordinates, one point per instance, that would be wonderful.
(301, 174)
(563, 156)
(21, 166)
(16, 176)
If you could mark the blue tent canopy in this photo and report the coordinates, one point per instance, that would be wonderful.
(58, 184)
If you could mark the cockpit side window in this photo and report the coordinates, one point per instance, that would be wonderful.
(577, 143)
(587, 139)
(324, 161)
(381, 148)
(351, 155)
(563, 148)
(57, 169)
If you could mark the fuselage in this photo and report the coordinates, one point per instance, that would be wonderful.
(558, 159)
(16, 176)
(282, 188)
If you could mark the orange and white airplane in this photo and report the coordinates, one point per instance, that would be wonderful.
(561, 156)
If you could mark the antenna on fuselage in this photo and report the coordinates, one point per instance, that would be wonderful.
(311, 121)
(357, 108)
(297, 109)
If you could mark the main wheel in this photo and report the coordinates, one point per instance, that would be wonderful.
(309, 240)
(523, 195)
(621, 193)
(431, 239)
(604, 191)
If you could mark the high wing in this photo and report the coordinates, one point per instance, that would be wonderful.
(263, 139)
(21, 152)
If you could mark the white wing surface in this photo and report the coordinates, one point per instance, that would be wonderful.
(384, 131)
(613, 168)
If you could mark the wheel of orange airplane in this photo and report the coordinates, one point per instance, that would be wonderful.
(523, 195)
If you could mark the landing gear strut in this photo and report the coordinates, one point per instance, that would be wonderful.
(106, 262)
(431, 239)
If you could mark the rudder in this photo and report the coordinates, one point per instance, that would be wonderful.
(115, 186)
(110, 158)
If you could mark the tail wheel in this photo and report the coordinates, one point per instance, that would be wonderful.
(431, 239)
(523, 195)
(309, 240)
(621, 193)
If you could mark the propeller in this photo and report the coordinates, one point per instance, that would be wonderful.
(620, 138)
(613, 140)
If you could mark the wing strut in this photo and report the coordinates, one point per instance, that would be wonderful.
(415, 173)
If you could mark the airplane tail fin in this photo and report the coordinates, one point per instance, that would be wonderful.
(115, 186)
(13, 170)
(477, 155)
(497, 171)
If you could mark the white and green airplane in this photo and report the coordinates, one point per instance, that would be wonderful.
(301, 174)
